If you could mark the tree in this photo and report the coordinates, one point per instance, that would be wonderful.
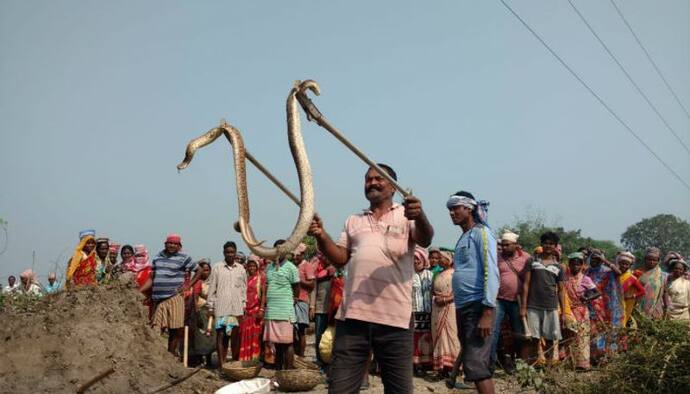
(532, 226)
(666, 232)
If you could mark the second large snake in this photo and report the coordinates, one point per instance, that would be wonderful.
(299, 155)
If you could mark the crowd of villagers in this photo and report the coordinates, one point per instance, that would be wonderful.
(241, 308)
(549, 307)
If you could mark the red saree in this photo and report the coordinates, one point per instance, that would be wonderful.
(251, 326)
(85, 273)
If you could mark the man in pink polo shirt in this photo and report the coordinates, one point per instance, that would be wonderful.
(376, 311)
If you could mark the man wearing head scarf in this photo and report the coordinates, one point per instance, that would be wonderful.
(376, 312)
(29, 284)
(475, 288)
(240, 258)
(653, 279)
(307, 283)
(53, 285)
(167, 285)
(512, 265)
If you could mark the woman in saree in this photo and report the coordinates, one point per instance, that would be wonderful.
(251, 326)
(443, 325)
(607, 310)
(630, 285)
(653, 279)
(678, 291)
(81, 270)
(576, 313)
(421, 309)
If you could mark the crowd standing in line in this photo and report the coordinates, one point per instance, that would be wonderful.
(380, 292)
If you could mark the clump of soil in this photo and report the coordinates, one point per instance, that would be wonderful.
(61, 341)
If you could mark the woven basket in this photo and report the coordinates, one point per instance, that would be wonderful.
(239, 370)
(303, 363)
(297, 379)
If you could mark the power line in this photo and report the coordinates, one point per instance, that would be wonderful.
(601, 101)
(649, 57)
(632, 81)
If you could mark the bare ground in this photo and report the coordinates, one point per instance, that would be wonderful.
(58, 343)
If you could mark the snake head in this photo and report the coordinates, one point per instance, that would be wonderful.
(307, 84)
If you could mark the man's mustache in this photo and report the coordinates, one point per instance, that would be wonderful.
(370, 188)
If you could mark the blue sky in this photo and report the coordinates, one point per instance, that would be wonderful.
(99, 99)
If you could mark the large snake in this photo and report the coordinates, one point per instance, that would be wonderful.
(299, 155)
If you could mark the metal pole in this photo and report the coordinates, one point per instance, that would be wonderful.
(270, 176)
(313, 114)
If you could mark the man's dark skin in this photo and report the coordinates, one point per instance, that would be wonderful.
(102, 251)
(462, 216)
(11, 280)
(175, 335)
(548, 256)
(222, 338)
(379, 192)
(285, 353)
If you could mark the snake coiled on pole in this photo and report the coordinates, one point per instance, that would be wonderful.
(299, 155)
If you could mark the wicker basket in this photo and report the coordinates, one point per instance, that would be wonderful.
(297, 379)
(303, 363)
(239, 370)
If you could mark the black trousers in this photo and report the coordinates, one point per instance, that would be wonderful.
(392, 347)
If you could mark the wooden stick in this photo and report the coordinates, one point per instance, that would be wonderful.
(174, 382)
(186, 345)
(94, 380)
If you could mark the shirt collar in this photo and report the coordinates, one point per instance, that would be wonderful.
(368, 211)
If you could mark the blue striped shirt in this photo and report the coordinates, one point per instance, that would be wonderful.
(168, 274)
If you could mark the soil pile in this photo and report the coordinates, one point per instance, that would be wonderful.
(61, 341)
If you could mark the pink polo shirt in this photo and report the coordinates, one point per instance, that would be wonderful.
(510, 283)
(378, 285)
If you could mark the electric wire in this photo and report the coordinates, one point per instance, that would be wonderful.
(630, 78)
(593, 93)
(649, 57)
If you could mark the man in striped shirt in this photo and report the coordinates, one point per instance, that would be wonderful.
(169, 268)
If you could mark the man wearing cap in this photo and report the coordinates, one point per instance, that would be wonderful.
(227, 295)
(512, 263)
(475, 288)
(376, 311)
(169, 268)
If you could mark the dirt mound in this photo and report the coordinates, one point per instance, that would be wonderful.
(62, 341)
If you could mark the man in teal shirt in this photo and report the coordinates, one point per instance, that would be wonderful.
(53, 286)
(282, 289)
